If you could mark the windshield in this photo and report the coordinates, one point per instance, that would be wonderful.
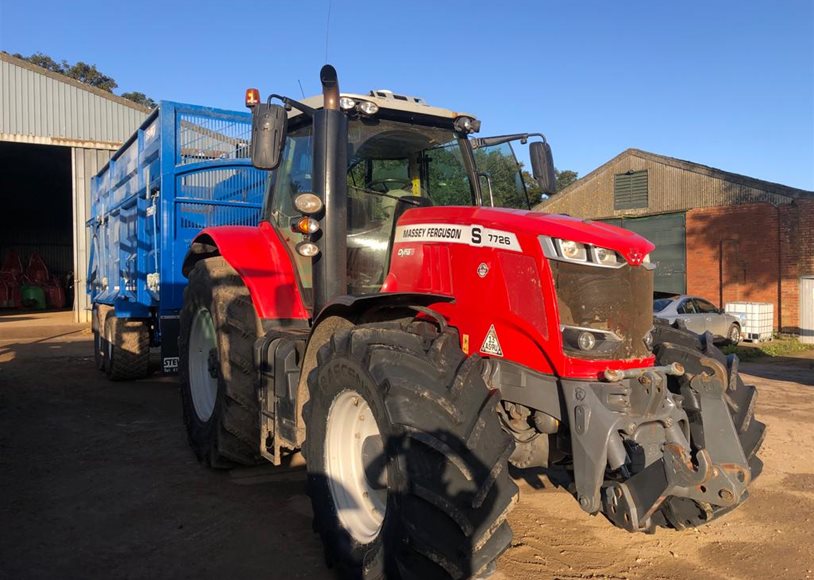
(392, 167)
(661, 304)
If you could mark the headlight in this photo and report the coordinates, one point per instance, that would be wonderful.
(570, 251)
(573, 251)
(589, 341)
(367, 108)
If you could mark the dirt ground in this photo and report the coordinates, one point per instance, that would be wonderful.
(96, 480)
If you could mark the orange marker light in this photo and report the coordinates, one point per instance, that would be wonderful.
(307, 226)
(252, 97)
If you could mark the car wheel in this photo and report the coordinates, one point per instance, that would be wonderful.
(734, 335)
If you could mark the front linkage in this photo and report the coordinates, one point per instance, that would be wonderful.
(660, 446)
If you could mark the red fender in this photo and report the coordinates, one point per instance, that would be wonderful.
(261, 258)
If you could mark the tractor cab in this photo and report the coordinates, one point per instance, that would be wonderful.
(399, 154)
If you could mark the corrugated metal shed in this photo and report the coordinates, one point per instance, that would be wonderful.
(39, 106)
(673, 185)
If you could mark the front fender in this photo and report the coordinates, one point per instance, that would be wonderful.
(262, 261)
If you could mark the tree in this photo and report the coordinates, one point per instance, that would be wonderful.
(565, 178)
(140, 98)
(87, 74)
(90, 75)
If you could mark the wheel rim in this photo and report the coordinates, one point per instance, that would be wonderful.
(203, 376)
(734, 334)
(355, 466)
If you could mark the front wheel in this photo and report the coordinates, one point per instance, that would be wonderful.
(407, 461)
(734, 335)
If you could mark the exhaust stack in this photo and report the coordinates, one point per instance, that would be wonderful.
(329, 267)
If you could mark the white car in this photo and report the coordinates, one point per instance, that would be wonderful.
(699, 315)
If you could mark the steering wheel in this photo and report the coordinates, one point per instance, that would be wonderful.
(384, 185)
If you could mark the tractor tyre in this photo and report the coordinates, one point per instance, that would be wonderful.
(127, 354)
(407, 460)
(688, 348)
(219, 326)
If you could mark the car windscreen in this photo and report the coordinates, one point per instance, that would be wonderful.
(661, 304)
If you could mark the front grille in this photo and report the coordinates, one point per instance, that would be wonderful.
(619, 300)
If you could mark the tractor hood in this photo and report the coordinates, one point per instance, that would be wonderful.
(631, 246)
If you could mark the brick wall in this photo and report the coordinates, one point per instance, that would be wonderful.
(754, 252)
(797, 243)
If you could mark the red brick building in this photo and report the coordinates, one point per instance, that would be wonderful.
(720, 235)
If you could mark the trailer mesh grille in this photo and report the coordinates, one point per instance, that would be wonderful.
(205, 138)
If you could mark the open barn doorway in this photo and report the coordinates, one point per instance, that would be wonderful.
(36, 227)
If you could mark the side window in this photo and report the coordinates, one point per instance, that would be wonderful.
(705, 307)
(444, 176)
(500, 165)
(293, 176)
(688, 307)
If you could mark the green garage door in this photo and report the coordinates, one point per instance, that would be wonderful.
(668, 233)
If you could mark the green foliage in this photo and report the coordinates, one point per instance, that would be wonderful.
(140, 98)
(774, 348)
(565, 178)
(87, 74)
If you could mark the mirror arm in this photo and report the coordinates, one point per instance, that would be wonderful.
(289, 103)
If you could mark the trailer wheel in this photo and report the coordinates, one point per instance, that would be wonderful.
(407, 461)
(98, 315)
(680, 345)
(219, 327)
(127, 342)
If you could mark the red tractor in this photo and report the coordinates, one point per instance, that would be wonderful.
(413, 341)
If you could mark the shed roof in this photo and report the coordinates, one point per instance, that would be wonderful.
(41, 106)
(681, 185)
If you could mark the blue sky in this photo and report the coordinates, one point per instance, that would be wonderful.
(724, 83)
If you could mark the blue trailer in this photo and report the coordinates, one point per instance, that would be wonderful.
(186, 168)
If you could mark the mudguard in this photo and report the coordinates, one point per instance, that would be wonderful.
(261, 258)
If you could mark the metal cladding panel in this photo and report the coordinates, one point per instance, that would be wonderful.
(85, 163)
(39, 106)
(807, 309)
(672, 186)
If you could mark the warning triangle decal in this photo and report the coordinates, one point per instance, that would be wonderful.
(491, 345)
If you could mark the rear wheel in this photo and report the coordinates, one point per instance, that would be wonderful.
(407, 461)
(685, 347)
(127, 348)
(219, 326)
(98, 326)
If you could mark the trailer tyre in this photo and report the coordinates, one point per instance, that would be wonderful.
(219, 326)
(98, 316)
(127, 354)
(407, 461)
(683, 346)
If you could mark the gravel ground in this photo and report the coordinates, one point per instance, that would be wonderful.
(96, 480)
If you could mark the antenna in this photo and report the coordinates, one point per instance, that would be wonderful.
(327, 29)
(302, 91)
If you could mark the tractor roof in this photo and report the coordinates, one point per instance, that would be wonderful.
(389, 100)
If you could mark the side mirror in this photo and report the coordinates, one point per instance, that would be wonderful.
(542, 167)
(269, 124)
